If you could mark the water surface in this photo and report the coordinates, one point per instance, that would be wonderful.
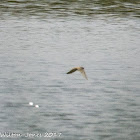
(40, 41)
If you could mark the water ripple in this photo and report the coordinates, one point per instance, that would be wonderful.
(45, 8)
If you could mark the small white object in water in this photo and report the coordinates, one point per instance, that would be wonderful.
(31, 103)
(37, 106)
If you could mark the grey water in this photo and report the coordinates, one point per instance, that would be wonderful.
(40, 41)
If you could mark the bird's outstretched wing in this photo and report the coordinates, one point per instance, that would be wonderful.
(83, 73)
(72, 70)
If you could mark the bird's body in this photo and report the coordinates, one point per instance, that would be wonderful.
(81, 69)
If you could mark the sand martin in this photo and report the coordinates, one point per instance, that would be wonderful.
(81, 69)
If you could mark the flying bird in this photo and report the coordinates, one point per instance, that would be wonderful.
(81, 69)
